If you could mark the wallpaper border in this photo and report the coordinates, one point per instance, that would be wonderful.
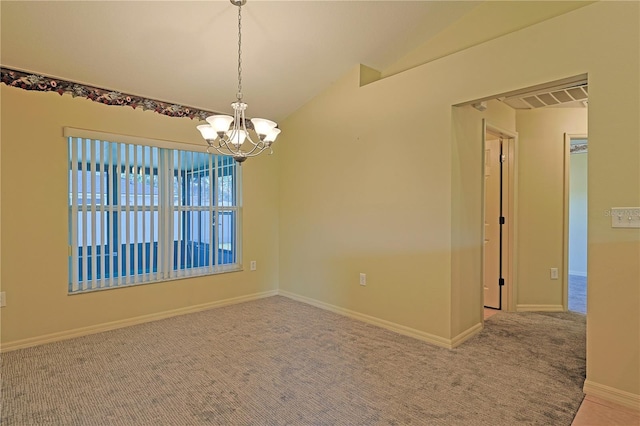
(30, 81)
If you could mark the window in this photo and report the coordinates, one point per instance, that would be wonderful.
(140, 214)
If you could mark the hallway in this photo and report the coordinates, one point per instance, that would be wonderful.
(578, 294)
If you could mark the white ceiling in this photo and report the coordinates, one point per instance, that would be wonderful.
(185, 52)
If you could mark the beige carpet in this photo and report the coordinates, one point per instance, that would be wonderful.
(280, 362)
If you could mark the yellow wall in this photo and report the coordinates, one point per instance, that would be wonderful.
(367, 183)
(467, 180)
(34, 220)
(348, 205)
(541, 200)
(488, 20)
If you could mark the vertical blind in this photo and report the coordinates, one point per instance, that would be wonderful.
(140, 213)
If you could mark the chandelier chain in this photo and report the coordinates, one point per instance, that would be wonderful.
(239, 95)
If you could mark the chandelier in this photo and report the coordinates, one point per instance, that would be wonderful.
(231, 135)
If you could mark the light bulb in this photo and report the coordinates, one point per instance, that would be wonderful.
(262, 126)
(208, 133)
(237, 137)
(272, 135)
(220, 123)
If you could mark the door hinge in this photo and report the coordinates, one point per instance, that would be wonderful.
(501, 281)
(502, 220)
(503, 158)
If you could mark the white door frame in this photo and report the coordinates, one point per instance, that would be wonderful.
(509, 251)
(565, 212)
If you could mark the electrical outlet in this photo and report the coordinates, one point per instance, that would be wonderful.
(253, 265)
(554, 273)
(3, 299)
(363, 279)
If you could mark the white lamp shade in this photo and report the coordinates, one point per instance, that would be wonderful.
(237, 137)
(220, 123)
(263, 126)
(207, 131)
(272, 135)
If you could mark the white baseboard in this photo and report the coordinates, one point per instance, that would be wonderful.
(466, 335)
(539, 308)
(401, 329)
(98, 328)
(608, 393)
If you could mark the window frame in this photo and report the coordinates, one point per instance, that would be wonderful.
(110, 270)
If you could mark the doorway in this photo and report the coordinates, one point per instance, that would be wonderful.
(575, 282)
(498, 224)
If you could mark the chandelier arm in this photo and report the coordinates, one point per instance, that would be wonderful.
(250, 154)
(225, 149)
(212, 145)
(256, 145)
(223, 146)
(217, 148)
(243, 123)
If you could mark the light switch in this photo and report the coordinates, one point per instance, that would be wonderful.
(625, 217)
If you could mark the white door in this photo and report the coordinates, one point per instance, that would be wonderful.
(492, 232)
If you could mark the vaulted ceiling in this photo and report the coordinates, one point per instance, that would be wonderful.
(185, 52)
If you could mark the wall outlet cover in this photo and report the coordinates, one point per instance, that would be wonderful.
(363, 279)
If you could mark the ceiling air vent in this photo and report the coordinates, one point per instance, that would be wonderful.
(568, 92)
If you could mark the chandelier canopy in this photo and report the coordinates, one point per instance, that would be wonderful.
(231, 135)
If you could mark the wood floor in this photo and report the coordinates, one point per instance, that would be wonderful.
(595, 412)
